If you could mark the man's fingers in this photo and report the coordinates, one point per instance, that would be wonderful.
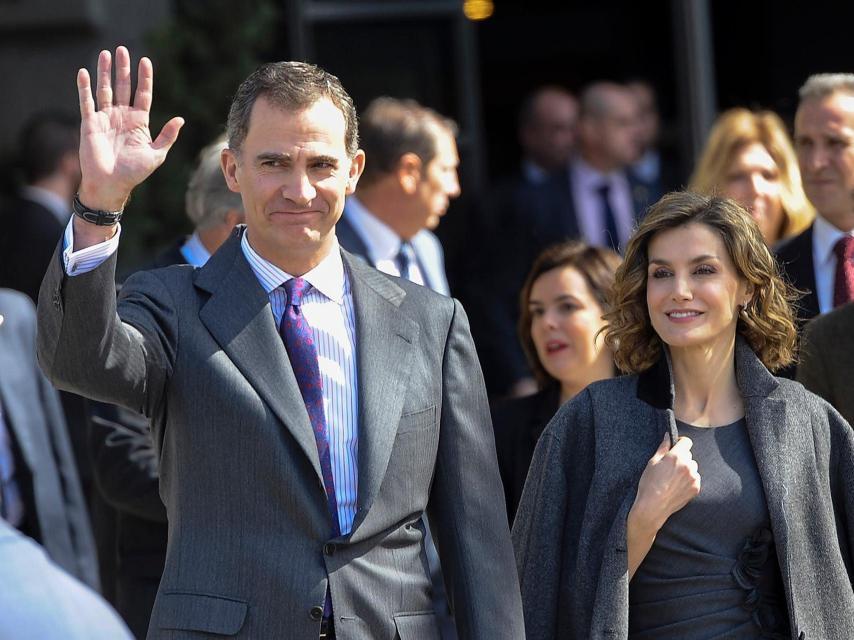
(168, 135)
(104, 90)
(122, 76)
(84, 93)
(144, 85)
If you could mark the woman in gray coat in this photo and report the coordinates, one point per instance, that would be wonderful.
(700, 497)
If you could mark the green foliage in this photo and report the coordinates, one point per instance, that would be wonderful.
(200, 57)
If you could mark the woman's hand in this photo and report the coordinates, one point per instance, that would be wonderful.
(669, 482)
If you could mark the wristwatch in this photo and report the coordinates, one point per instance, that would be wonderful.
(95, 216)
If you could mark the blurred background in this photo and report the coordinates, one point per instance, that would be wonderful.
(472, 60)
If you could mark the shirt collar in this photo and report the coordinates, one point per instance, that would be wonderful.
(327, 277)
(194, 251)
(824, 238)
(48, 199)
(589, 178)
(381, 240)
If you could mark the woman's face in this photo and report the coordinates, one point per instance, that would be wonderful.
(693, 289)
(565, 318)
(753, 180)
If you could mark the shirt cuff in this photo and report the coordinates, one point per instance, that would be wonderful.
(79, 262)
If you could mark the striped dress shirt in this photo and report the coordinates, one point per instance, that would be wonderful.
(328, 307)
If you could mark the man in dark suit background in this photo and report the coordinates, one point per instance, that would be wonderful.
(131, 527)
(404, 191)
(33, 221)
(815, 260)
(826, 365)
(295, 462)
(39, 487)
(595, 198)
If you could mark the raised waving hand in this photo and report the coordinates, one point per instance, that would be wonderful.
(116, 148)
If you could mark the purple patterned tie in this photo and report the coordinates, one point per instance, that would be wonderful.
(299, 342)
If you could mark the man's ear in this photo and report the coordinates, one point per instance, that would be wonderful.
(408, 172)
(228, 162)
(357, 166)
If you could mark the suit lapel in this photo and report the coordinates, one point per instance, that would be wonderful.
(239, 318)
(384, 343)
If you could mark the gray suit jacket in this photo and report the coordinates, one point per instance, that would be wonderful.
(425, 244)
(249, 553)
(39, 601)
(826, 366)
(570, 529)
(56, 513)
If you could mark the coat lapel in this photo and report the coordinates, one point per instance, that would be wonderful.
(384, 343)
(239, 318)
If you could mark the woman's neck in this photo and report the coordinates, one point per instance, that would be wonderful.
(571, 388)
(706, 390)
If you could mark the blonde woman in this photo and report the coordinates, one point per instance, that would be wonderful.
(749, 157)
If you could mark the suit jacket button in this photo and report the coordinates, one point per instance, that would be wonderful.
(329, 549)
(316, 613)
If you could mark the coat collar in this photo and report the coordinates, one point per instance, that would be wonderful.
(655, 385)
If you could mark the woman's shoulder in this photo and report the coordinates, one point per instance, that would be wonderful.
(610, 399)
(804, 403)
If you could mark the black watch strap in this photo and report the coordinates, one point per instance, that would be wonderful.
(95, 216)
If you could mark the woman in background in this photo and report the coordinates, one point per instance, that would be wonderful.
(749, 157)
(562, 303)
(699, 497)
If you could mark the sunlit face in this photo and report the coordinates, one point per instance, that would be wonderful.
(693, 289)
(565, 320)
(824, 142)
(438, 183)
(293, 173)
(615, 133)
(753, 180)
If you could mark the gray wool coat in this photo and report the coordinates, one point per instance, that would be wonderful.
(570, 530)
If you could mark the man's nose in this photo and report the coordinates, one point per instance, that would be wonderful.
(299, 189)
(453, 189)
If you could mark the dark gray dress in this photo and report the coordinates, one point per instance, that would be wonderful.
(712, 571)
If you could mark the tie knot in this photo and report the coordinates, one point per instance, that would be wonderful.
(295, 288)
(844, 248)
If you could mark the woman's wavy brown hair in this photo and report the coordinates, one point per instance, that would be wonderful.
(595, 264)
(767, 322)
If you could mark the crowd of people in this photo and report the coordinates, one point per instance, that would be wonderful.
(284, 426)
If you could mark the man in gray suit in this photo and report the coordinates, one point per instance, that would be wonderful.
(407, 185)
(307, 408)
(40, 490)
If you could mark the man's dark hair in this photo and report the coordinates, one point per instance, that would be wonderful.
(392, 128)
(45, 139)
(291, 86)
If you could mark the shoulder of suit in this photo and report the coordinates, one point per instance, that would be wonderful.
(830, 327)
(791, 248)
(16, 307)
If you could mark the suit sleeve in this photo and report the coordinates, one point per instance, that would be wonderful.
(812, 366)
(467, 503)
(550, 516)
(84, 346)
